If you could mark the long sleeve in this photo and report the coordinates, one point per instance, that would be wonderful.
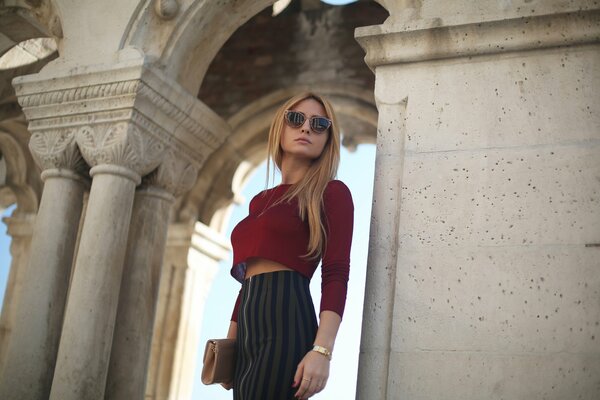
(335, 267)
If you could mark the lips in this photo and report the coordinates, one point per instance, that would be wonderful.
(301, 140)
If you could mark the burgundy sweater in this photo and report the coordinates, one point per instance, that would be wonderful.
(280, 235)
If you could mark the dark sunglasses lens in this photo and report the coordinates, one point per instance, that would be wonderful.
(294, 118)
(319, 124)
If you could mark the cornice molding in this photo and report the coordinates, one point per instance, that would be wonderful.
(384, 46)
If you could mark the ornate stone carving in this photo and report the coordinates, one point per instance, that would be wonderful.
(175, 174)
(57, 149)
(187, 118)
(119, 143)
(126, 117)
(110, 89)
(166, 9)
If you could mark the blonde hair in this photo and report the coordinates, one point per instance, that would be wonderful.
(309, 190)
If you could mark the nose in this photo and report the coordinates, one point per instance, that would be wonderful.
(305, 128)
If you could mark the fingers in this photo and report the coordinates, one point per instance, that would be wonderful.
(303, 390)
(299, 373)
(310, 387)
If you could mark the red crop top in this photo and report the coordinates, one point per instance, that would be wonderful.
(280, 235)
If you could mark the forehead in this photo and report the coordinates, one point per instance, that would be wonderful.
(310, 107)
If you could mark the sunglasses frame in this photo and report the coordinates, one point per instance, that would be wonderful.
(310, 121)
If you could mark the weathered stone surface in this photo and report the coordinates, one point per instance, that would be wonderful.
(498, 217)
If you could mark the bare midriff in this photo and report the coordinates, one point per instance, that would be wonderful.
(257, 265)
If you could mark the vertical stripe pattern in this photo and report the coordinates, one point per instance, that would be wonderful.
(277, 326)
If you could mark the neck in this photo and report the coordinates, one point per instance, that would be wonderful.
(293, 169)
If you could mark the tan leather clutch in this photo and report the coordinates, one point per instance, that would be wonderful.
(219, 361)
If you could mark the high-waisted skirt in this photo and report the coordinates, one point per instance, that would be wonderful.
(277, 326)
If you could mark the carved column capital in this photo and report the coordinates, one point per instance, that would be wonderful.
(175, 174)
(19, 226)
(120, 144)
(56, 149)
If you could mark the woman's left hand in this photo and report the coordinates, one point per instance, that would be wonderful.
(311, 375)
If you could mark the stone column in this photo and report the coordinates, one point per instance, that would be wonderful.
(125, 117)
(495, 289)
(33, 346)
(20, 229)
(191, 262)
(141, 276)
(119, 154)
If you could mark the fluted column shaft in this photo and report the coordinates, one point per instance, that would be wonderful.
(31, 352)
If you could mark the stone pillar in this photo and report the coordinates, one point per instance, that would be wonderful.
(20, 229)
(119, 156)
(496, 214)
(191, 262)
(383, 252)
(32, 349)
(124, 117)
(141, 276)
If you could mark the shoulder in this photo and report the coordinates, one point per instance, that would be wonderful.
(337, 187)
(256, 197)
(337, 191)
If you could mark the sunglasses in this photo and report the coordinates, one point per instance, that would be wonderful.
(296, 119)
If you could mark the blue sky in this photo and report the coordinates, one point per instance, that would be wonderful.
(357, 171)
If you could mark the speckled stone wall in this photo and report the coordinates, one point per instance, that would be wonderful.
(485, 237)
(498, 290)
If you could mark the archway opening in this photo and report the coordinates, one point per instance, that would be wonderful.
(266, 61)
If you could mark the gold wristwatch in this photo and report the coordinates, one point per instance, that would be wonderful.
(322, 350)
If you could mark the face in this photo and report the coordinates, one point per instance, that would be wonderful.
(303, 142)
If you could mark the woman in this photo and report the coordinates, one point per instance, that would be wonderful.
(282, 353)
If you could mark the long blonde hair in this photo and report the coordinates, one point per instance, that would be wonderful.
(309, 190)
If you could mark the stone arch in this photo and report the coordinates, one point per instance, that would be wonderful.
(188, 39)
(28, 19)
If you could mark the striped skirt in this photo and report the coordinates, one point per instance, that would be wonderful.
(277, 326)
